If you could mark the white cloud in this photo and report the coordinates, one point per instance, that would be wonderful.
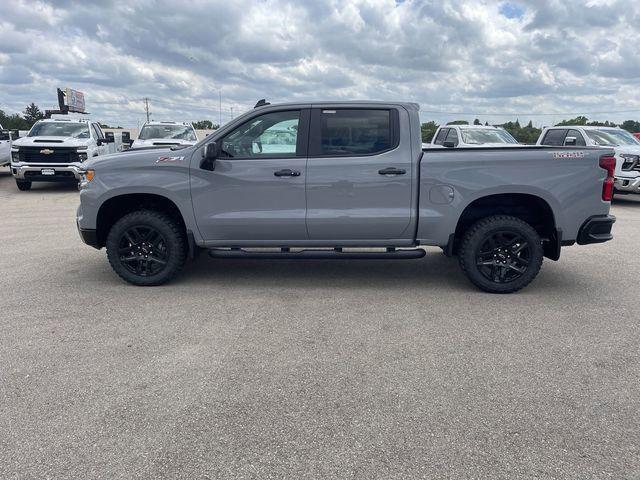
(448, 55)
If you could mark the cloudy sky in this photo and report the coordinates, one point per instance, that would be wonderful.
(457, 58)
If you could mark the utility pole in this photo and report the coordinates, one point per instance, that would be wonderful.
(220, 106)
(146, 108)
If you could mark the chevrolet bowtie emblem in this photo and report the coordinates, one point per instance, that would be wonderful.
(46, 151)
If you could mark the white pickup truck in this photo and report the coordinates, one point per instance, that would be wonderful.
(469, 136)
(626, 146)
(56, 148)
(5, 147)
(166, 134)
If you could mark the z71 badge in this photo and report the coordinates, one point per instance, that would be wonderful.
(568, 155)
(169, 159)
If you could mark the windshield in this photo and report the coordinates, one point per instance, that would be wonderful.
(178, 132)
(484, 135)
(60, 129)
(612, 138)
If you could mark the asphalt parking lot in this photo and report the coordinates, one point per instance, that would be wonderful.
(312, 369)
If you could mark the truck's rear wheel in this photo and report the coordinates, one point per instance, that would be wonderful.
(146, 248)
(501, 254)
(23, 185)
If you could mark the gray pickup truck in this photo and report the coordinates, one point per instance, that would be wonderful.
(344, 181)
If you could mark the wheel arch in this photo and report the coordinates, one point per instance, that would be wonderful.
(120, 205)
(531, 208)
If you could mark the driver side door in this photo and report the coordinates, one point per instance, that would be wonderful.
(256, 193)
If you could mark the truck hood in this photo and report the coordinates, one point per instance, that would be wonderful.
(161, 141)
(51, 142)
(145, 157)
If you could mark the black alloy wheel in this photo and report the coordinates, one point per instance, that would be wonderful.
(503, 257)
(143, 250)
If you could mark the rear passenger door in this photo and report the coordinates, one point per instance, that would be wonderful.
(359, 174)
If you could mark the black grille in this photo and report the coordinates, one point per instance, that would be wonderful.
(57, 155)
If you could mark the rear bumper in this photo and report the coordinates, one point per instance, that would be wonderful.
(33, 173)
(627, 185)
(596, 229)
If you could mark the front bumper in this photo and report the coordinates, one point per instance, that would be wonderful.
(596, 229)
(88, 236)
(33, 173)
(627, 185)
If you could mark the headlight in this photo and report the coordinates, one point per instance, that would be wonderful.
(82, 153)
(87, 178)
(15, 155)
(629, 161)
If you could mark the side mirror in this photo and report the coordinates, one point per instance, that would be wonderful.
(15, 134)
(570, 141)
(126, 137)
(109, 137)
(211, 152)
(449, 144)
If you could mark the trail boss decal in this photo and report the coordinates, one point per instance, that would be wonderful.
(568, 155)
(169, 159)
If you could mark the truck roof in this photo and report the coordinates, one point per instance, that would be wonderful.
(65, 118)
(342, 103)
(585, 127)
(482, 127)
(186, 124)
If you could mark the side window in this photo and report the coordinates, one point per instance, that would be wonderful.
(270, 135)
(442, 134)
(355, 131)
(555, 137)
(97, 131)
(578, 136)
(452, 136)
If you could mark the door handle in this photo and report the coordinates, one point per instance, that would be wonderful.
(392, 171)
(287, 172)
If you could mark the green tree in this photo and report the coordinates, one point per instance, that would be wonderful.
(13, 122)
(582, 120)
(32, 114)
(428, 130)
(632, 126)
(458, 122)
(205, 125)
(526, 135)
(477, 122)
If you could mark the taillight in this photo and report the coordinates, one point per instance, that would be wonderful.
(609, 164)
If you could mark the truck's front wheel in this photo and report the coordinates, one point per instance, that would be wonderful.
(146, 248)
(501, 254)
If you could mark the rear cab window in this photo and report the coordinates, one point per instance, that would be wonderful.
(452, 136)
(555, 137)
(442, 134)
(353, 131)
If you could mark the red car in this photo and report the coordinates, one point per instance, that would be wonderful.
(637, 135)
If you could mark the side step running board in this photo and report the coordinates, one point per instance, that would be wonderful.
(318, 254)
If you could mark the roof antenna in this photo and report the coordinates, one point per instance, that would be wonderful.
(261, 103)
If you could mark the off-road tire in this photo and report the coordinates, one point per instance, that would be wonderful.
(173, 238)
(479, 233)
